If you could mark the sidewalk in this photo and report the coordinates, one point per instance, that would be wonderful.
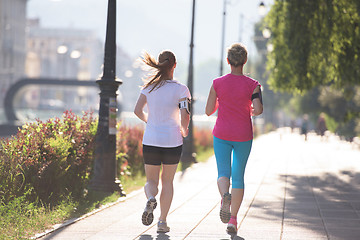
(294, 190)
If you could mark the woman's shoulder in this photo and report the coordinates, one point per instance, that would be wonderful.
(248, 78)
(251, 80)
(221, 78)
(144, 89)
(176, 83)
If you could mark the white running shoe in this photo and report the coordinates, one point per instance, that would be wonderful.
(148, 216)
(225, 208)
(162, 227)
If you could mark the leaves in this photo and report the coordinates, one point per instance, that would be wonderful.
(315, 43)
(49, 158)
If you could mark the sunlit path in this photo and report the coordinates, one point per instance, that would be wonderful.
(295, 189)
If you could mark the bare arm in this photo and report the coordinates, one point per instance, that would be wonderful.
(139, 108)
(212, 103)
(257, 104)
(185, 120)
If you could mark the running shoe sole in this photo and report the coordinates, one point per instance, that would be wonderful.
(148, 216)
(225, 208)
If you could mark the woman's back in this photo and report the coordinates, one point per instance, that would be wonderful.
(234, 113)
(163, 125)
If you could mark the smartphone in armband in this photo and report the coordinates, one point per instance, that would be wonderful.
(185, 103)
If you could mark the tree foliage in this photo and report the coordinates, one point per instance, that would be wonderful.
(315, 43)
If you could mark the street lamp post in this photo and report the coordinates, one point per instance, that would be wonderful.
(223, 39)
(188, 154)
(262, 9)
(105, 169)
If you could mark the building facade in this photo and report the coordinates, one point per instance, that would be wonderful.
(61, 54)
(12, 43)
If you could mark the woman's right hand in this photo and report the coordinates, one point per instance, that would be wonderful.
(184, 124)
(184, 132)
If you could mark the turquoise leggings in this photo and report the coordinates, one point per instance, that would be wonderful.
(241, 151)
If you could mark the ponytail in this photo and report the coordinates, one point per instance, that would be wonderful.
(162, 67)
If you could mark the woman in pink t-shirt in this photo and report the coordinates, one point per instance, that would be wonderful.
(237, 98)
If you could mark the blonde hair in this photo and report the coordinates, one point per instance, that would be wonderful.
(162, 67)
(237, 54)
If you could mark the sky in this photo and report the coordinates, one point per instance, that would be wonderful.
(155, 25)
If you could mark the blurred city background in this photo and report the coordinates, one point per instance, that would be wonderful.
(64, 40)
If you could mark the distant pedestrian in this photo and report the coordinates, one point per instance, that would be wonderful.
(237, 98)
(304, 126)
(321, 125)
(292, 125)
(167, 119)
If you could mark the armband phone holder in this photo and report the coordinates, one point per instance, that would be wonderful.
(185, 103)
(257, 95)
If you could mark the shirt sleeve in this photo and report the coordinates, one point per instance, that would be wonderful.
(144, 91)
(254, 85)
(215, 84)
(185, 93)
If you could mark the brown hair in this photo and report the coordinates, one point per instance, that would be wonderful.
(162, 67)
(237, 54)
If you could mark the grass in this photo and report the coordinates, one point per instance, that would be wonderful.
(205, 155)
(22, 220)
(131, 184)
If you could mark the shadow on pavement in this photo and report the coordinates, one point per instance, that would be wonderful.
(327, 204)
(146, 237)
(160, 236)
(337, 202)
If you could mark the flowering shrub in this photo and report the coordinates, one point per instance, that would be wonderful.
(203, 139)
(129, 149)
(49, 159)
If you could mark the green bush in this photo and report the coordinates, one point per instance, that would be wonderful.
(48, 160)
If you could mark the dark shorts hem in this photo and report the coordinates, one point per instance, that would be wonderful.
(154, 155)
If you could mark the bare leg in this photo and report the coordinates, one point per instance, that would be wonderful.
(167, 191)
(152, 180)
(223, 185)
(237, 196)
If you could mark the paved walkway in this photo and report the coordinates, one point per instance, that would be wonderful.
(294, 190)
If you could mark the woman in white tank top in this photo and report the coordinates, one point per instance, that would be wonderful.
(167, 120)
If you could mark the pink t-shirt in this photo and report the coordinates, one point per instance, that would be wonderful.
(234, 113)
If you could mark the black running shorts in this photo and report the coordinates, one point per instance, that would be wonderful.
(157, 155)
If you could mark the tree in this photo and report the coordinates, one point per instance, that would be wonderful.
(273, 102)
(343, 106)
(315, 43)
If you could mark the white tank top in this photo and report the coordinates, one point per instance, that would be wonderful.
(163, 125)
